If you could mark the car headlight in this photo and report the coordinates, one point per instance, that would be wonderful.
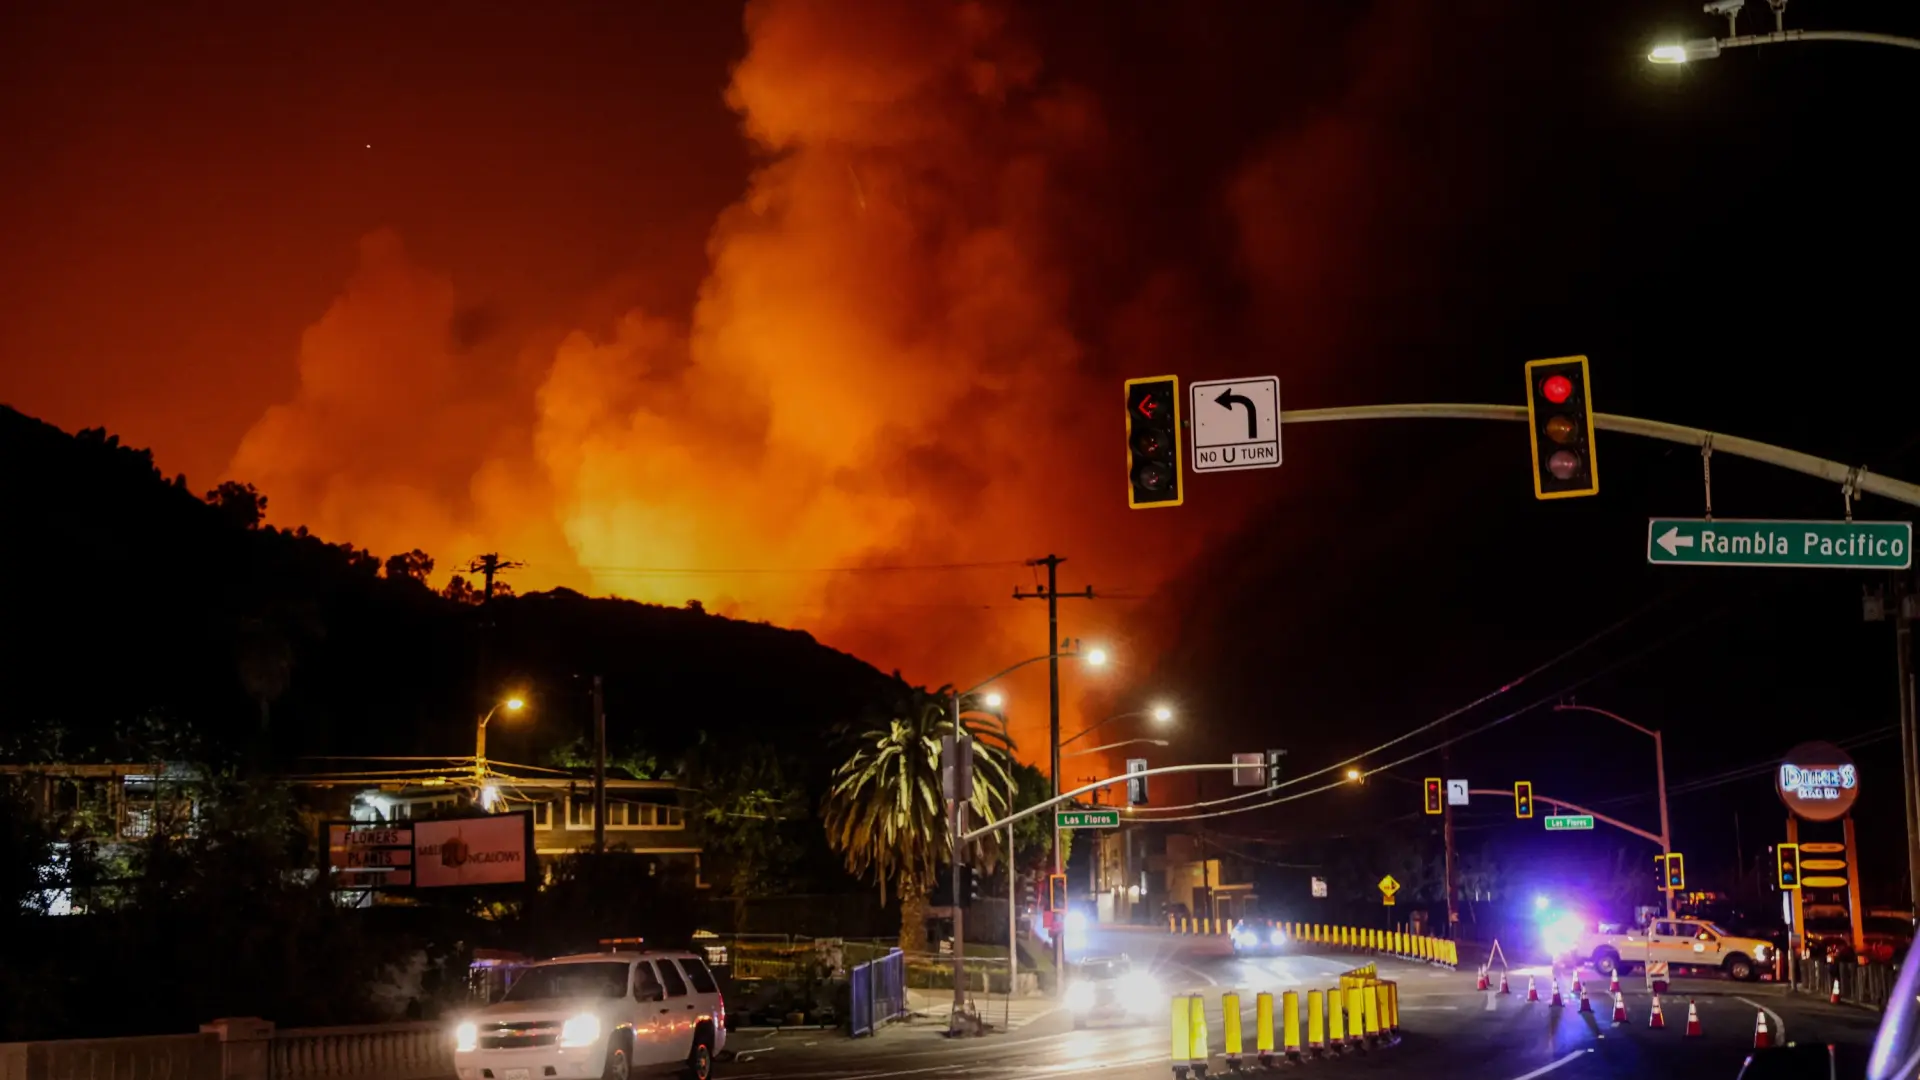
(1141, 992)
(466, 1036)
(1761, 952)
(1080, 997)
(580, 1030)
(1279, 936)
(1243, 938)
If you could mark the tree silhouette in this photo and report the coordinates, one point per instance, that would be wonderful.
(240, 504)
(415, 565)
(460, 592)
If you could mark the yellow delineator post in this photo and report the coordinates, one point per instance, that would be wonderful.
(1316, 1022)
(1393, 1006)
(1370, 1009)
(1382, 993)
(1263, 1027)
(1230, 1029)
(1198, 1052)
(1336, 1021)
(1290, 1026)
(1356, 1019)
(1179, 1025)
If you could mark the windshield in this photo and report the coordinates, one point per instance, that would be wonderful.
(598, 980)
(1103, 969)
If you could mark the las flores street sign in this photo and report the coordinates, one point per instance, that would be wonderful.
(1564, 822)
(1824, 545)
(1086, 819)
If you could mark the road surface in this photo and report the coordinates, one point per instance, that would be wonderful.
(1448, 1029)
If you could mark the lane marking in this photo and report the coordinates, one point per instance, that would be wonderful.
(1779, 1026)
(1545, 1069)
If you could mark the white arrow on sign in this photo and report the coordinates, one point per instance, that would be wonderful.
(1672, 541)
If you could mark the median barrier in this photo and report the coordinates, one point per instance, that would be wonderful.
(1360, 1014)
(243, 1049)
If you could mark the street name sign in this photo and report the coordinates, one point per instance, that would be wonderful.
(1086, 819)
(1564, 822)
(1236, 424)
(1821, 545)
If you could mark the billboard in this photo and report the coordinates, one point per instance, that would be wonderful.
(370, 856)
(493, 850)
(1817, 781)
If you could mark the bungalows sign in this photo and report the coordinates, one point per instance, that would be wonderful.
(1817, 781)
(490, 850)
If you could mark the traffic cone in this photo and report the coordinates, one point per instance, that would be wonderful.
(1533, 992)
(1504, 988)
(1586, 1003)
(1762, 1038)
(1619, 1008)
(1481, 983)
(1834, 998)
(1613, 986)
(1578, 988)
(1693, 1019)
(1655, 1019)
(1556, 1002)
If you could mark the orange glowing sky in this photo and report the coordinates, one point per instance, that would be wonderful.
(680, 303)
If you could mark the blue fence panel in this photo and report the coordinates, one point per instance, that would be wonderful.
(860, 1004)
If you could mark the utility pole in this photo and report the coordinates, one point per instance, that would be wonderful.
(489, 566)
(1052, 597)
(599, 768)
(1446, 829)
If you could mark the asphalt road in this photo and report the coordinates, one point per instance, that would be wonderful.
(1448, 1029)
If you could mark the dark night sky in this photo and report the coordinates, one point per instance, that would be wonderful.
(1387, 202)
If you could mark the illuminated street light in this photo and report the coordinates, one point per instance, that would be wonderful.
(1353, 775)
(1709, 48)
(1096, 657)
(1163, 714)
(1697, 49)
(512, 705)
(994, 701)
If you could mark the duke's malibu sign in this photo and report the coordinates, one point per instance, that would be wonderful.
(1827, 545)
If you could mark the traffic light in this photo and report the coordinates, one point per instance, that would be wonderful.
(1560, 414)
(1676, 872)
(969, 885)
(1523, 798)
(1436, 796)
(1057, 892)
(1273, 768)
(1788, 858)
(1136, 784)
(1153, 442)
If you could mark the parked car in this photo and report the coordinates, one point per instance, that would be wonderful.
(1681, 942)
(598, 1016)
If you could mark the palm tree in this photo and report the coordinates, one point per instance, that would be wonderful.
(885, 812)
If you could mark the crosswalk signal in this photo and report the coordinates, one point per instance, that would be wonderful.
(1273, 768)
(1560, 414)
(969, 885)
(1676, 873)
(1436, 797)
(1057, 892)
(1787, 856)
(1523, 798)
(1153, 442)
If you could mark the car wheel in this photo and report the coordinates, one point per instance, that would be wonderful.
(619, 1064)
(1606, 961)
(1739, 967)
(700, 1058)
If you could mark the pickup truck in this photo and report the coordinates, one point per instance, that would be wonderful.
(1679, 942)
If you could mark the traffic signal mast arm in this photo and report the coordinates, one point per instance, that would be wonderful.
(1859, 478)
(1594, 814)
(1069, 796)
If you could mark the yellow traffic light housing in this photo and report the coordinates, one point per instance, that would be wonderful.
(1676, 872)
(1787, 859)
(1560, 417)
(1436, 800)
(1523, 798)
(1153, 442)
(1057, 892)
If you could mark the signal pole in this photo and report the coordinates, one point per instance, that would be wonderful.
(1446, 830)
(1051, 594)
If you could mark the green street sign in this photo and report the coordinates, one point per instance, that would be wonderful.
(1822, 545)
(1563, 822)
(1086, 819)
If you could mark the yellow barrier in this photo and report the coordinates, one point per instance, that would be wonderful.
(1182, 1040)
(1230, 1028)
(1383, 1007)
(1317, 1021)
(1336, 1020)
(1370, 1011)
(1290, 1011)
(1197, 1024)
(1263, 1026)
(1393, 1007)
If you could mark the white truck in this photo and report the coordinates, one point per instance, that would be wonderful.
(1679, 942)
(599, 1016)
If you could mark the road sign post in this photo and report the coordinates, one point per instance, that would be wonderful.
(1236, 424)
(1086, 819)
(1819, 545)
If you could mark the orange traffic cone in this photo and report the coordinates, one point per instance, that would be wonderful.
(1655, 1019)
(1533, 992)
(1619, 1008)
(1762, 1038)
(1482, 983)
(1693, 1019)
(1556, 1002)
(1586, 1003)
(1834, 998)
(1578, 987)
(1504, 988)
(1613, 985)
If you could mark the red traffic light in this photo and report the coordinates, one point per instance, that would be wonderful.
(1435, 799)
(1557, 388)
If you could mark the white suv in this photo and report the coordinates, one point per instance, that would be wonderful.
(600, 1015)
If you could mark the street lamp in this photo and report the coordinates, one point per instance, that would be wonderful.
(1353, 776)
(512, 705)
(1660, 781)
(1161, 713)
(1709, 48)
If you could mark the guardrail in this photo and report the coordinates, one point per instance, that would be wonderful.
(1361, 1013)
(242, 1049)
(1398, 943)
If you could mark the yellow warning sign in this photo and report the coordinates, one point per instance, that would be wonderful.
(1388, 886)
